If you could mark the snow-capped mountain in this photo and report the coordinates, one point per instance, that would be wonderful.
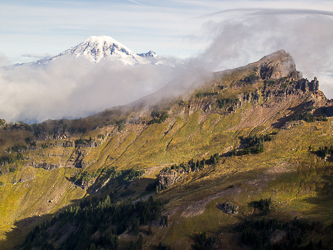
(98, 48)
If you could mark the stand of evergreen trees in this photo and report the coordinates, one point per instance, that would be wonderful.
(163, 247)
(252, 144)
(136, 245)
(158, 117)
(223, 102)
(94, 224)
(204, 243)
(151, 187)
(308, 117)
(194, 165)
(201, 95)
(191, 166)
(257, 233)
(323, 151)
(263, 205)
(5, 160)
(17, 149)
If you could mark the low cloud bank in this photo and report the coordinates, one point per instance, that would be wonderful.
(72, 88)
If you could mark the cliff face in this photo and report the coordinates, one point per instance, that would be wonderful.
(168, 178)
(266, 88)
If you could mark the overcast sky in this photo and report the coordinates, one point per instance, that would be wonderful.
(215, 35)
(171, 27)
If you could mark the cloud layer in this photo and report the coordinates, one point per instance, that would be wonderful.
(74, 88)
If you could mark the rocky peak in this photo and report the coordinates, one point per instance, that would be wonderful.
(97, 48)
(150, 54)
(277, 65)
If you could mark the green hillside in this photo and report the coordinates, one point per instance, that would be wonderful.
(241, 161)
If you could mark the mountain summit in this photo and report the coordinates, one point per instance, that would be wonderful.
(98, 48)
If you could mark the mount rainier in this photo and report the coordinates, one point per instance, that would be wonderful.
(99, 48)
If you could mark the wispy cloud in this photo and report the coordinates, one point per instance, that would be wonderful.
(135, 2)
(267, 11)
(37, 55)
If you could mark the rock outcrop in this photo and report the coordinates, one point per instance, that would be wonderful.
(68, 144)
(83, 143)
(246, 98)
(228, 208)
(291, 124)
(24, 179)
(46, 166)
(76, 159)
(277, 65)
(60, 133)
(285, 88)
(278, 236)
(168, 178)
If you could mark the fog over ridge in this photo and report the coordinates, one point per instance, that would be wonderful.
(306, 34)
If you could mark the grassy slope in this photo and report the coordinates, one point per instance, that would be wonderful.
(295, 193)
(180, 138)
